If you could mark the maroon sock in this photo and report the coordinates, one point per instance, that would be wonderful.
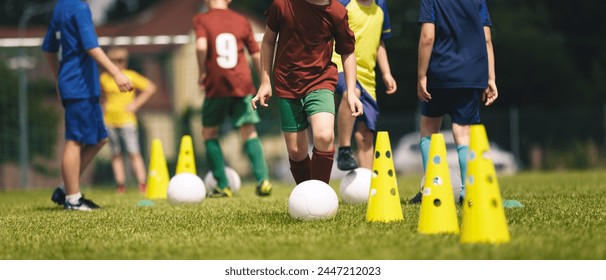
(321, 164)
(300, 169)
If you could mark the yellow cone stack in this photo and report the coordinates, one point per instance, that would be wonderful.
(384, 198)
(186, 161)
(438, 212)
(157, 177)
(483, 214)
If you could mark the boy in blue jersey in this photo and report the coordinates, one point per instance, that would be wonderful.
(369, 20)
(72, 51)
(455, 69)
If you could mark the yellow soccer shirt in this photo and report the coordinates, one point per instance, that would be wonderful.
(370, 25)
(116, 102)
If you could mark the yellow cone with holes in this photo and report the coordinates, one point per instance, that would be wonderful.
(186, 161)
(438, 212)
(383, 198)
(483, 214)
(157, 176)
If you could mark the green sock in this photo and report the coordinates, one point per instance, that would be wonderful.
(254, 151)
(462, 152)
(214, 156)
(424, 143)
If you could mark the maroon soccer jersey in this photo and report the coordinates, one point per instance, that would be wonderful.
(306, 32)
(227, 70)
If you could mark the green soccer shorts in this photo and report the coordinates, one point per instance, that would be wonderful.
(216, 110)
(294, 113)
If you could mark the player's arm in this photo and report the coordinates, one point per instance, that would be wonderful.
(383, 61)
(256, 59)
(267, 54)
(122, 81)
(143, 96)
(426, 41)
(490, 93)
(349, 70)
(201, 53)
(53, 63)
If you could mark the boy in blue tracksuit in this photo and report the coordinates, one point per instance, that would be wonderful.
(72, 51)
(455, 70)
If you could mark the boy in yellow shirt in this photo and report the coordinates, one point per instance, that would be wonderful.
(120, 118)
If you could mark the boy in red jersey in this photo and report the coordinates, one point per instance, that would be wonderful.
(304, 78)
(222, 35)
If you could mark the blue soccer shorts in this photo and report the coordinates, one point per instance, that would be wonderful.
(462, 104)
(84, 121)
(369, 104)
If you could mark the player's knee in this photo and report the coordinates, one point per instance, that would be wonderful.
(248, 131)
(324, 138)
(297, 153)
(209, 133)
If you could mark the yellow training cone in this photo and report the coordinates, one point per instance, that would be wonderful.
(157, 177)
(483, 214)
(186, 162)
(384, 199)
(438, 212)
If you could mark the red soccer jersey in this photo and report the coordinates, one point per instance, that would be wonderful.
(306, 33)
(227, 70)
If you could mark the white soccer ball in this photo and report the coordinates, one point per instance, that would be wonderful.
(233, 179)
(455, 179)
(313, 200)
(185, 188)
(355, 186)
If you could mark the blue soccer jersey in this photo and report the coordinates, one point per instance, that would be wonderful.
(70, 34)
(459, 58)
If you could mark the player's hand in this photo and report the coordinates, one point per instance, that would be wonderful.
(201, 80)
(132, 107)
(262, 96)
(355, 105)
(490, 94)
(422, 92)
(124, 84)
(390, 84)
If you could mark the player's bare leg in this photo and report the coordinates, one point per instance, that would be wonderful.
(139, 169)
(70, 167)
(365, 147)
(298, 155)
(322, 125)
(76, 157)
(118, 168)
(345, 126)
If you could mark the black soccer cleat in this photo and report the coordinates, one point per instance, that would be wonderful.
(346, 160)
(416, 199)
(82, 205)
(58, 196)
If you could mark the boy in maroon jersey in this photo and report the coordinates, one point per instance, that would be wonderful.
(304, 78)
(222, 35)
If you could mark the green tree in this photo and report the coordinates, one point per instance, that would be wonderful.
(42, 120)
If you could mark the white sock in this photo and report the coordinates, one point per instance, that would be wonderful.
(73, 198)
(62, 186)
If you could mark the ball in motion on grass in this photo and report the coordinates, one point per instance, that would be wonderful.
(185, 188)
(313, 200)
(355, 186)
(233, 179)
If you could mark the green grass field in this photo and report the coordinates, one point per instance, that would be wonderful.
(564, 218)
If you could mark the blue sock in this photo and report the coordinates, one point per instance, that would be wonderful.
(424, 143)
(462, 152)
